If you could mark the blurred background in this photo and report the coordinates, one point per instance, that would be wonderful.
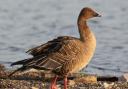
(28, 23)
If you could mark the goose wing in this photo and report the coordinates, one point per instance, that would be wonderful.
(50, 47)
(53, 54)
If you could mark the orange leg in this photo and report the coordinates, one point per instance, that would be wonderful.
(65, 82)
(53, 83)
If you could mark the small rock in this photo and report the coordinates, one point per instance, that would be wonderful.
(124, 77)
(108, 85)
(35, 88)
(2, 67)
(71, 82)
(87, 79)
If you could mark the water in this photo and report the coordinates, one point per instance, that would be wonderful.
(28, 23)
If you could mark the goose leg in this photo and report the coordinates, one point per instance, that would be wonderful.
(53, 83)
(65, 82)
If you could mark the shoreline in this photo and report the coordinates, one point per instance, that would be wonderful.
(39, 80)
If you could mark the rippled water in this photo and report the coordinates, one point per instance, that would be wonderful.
(28, 23)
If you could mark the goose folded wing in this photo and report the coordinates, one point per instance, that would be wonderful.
(53, 54)
(57, 56)
(49, 47)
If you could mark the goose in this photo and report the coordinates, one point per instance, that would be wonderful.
(63, 55)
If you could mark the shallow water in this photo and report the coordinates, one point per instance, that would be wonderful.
(28, 23)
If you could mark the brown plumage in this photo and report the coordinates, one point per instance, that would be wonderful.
(64, 55)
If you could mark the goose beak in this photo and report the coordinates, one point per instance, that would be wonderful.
(97, 15)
